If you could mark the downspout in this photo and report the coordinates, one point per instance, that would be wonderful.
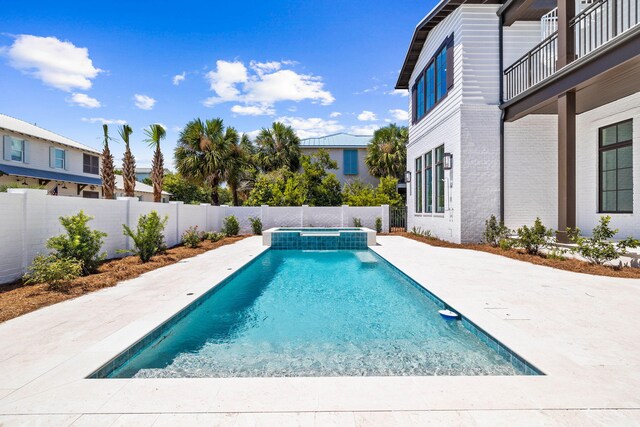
(502, 114)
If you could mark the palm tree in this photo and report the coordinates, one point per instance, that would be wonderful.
(238, 165)
(155, 134)
(128, 162)
(278, 147)
(387, 152)
(202, 152)
(107, 172)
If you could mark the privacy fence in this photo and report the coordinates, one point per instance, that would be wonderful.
(29, 217)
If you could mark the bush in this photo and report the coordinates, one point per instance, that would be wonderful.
(192, 237)
(56, 272)
(378, 224)
(80, 243)
(535, 238)
(213, 236)
(148, 239)
(506, 244)
(422, 233)
(256, 225)
(598, 249)
(357, 222)
(230, 226)
(494, 231)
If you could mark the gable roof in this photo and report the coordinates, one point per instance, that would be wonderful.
(140, 186)
(27, 129)
(337, 140)
(433, 18)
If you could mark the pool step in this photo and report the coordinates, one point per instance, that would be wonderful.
(320, 234)
(366, 258)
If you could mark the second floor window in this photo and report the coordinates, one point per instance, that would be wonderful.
(17, 150)
(350, 162)
(14, 149)
(58, 158)
(90, 164)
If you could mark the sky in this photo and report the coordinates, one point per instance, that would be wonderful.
(319, 66)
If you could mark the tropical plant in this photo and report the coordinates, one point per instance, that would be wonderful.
(534, 238)
(191, 238)
(80, 243)
(155, 134)
(230, 226)
(378, 224)
(238, 165)
(54, 271)
(599, 249)
(357, 222)
(278, 147)
(319, 187)
(494, 231)
(387, 151)
(359, 193)
(419, 231)
(107, 170)
(256, 225)
(213, 236)
(128, 162)
(148, 239)
(183, 190)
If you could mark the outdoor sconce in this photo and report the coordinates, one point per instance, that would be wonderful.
(447, 160)
(407, 177)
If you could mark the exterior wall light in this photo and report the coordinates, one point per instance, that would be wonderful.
(407, 177)
(447, 160)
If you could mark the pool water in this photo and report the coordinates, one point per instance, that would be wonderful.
(315, 313)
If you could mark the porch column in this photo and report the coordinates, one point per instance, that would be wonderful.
(566, 164)
(566, 36)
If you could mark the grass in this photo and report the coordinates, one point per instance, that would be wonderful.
(17, 298)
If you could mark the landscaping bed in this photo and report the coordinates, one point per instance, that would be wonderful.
(17, 298)
(568, 264)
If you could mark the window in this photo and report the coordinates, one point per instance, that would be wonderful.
(419, 185)
(90, 164)
(616, 168)
(350, 160)
(428, 182)
(59, 158)
(90, 195)
(17, 149)
(440, 179)
(434, 82)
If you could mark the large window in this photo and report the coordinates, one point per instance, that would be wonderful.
(434, 82)
(350, 162)
(59, 158)
(17, 150)
(428, 182)
(440, 179)
(419, 184)
(616, 168)
(90, 164)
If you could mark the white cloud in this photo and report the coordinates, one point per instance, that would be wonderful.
(263, 84)
(83, 100)
(399, 114)
(367, 116)
(311, 127)
(364, 130)
(179, 78)
(400, 92)
(335, 114)
(251, 134)
(253, 110)
(104, 121)
(59, 64)
(144, 102)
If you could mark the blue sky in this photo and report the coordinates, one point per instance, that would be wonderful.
(321, 67)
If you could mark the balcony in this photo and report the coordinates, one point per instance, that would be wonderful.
(595, 26)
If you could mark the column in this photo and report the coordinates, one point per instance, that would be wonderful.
(566, 164)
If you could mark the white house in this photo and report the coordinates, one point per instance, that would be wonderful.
(349, 151)
(521, 109)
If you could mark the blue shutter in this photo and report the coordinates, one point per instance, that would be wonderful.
(25, 151)
(350, 162)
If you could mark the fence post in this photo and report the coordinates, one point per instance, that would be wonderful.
(177, 205)
(34, 224)
(345, 215)
(206, 215)
(128, 219)
(302, 214)
(385, 218)
(264, 215)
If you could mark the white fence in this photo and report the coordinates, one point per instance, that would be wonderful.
(29, 217)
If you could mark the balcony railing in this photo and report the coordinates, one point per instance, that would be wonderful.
(593, 27)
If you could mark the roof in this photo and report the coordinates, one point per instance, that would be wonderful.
(49, 175)
(337, 140)
(140, 186)
(20, 126)
(433, 18)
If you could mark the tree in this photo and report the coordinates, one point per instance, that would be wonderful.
(107, 172)
(387, 151)
(128, 162)
(238, 165)
(202, 151)
(358, 193)
(185, 191)
(278, 147)
(155, 134)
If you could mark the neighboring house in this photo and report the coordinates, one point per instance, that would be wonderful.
(142, 174)
(33, 156)
(521, 110)
(349, 151)
(142, 191)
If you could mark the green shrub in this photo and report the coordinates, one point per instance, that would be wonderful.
(494, 231)
(54, 271)
(256, 225)
(532, 239)
(422, 233)
(506, 244)
(230, 226)
(191, 238)
(80, 243)
(598, 249)
(557, 253)
(213, 236)
(378, 224)
(148, 239)
(357, 222)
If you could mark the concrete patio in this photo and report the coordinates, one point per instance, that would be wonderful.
(578, 329)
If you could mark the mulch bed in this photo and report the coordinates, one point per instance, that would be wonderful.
(17, 298)
(569, 264)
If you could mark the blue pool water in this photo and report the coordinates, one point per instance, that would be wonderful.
(315, 313)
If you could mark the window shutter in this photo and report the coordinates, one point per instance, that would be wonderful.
(25, 151)
(66, 160)
(354, 160)
(7, 147)
(52, 158)
(450, 63)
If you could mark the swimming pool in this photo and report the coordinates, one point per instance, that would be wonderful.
(315, 313)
